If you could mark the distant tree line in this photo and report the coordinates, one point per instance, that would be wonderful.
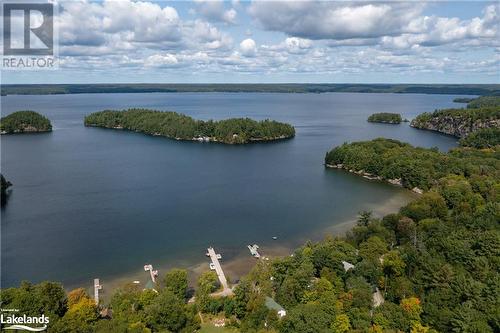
(24, 121)
(178, 126)
(385, 117)
(44, 89)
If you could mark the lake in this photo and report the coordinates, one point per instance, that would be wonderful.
(90, 202)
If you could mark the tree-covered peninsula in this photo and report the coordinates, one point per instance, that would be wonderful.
(386, 118)
(482, 112)
(181, 127)
(24, 122)
(412, 167)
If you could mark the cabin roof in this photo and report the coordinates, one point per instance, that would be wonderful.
(271, 304)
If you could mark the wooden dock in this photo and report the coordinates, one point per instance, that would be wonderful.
(254, 250)
(215, 265)
(152, 272)
(97, 287)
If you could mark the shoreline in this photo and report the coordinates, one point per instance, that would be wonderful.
(205, 139)
(369, 176)
(241, 262)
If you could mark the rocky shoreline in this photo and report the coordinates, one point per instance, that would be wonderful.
(369, 176)
(202, 139)
(457, 127)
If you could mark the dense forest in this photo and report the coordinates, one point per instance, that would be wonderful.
(483, 138)
(431, 267)
(385, 117)
(482, 112)
(181, 127)
(24, 122)
(484, 101)
(46, 89)
(411, 166)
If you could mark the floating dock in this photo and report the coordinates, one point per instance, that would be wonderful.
(215, 265)
(254, 250)
(97, 287)
(153, 273)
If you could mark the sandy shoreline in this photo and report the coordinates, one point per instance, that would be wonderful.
(241, 262)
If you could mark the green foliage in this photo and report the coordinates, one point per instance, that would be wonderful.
(484, 101)
(46, 298)
(306, 318)
(182, 127)
(483, 138)
(176, 281)
(466, 115)
(481, 113)
(24, 121)
(463, 100)
(167, 312)
(415, 167)
(385, 117)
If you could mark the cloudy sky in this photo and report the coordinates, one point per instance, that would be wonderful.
(267, 41)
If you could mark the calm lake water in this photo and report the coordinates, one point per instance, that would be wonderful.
(89, 202)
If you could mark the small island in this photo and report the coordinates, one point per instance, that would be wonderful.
(481, 113)
(181, 127)
(4, 185)
(24, 122)
(463, 100)
(385, 118)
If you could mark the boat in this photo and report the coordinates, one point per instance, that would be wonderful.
(275, 237)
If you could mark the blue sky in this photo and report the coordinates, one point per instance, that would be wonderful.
(274, 41)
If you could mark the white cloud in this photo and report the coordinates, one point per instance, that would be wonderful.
(248, 47)
(321, 38)
(334, 20)
(214, 10)
(158, 60)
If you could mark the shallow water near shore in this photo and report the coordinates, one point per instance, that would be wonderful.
(89, 202)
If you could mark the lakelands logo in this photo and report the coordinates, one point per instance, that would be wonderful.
(15, 322)
(28, 35)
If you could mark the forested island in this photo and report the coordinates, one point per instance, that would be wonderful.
(463, 100)
(386, 118)
(46, 89)
(431, 267)
(482, 112)
(24, 122)
(181, 127)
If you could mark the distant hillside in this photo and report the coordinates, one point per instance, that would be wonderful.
(455, 89)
